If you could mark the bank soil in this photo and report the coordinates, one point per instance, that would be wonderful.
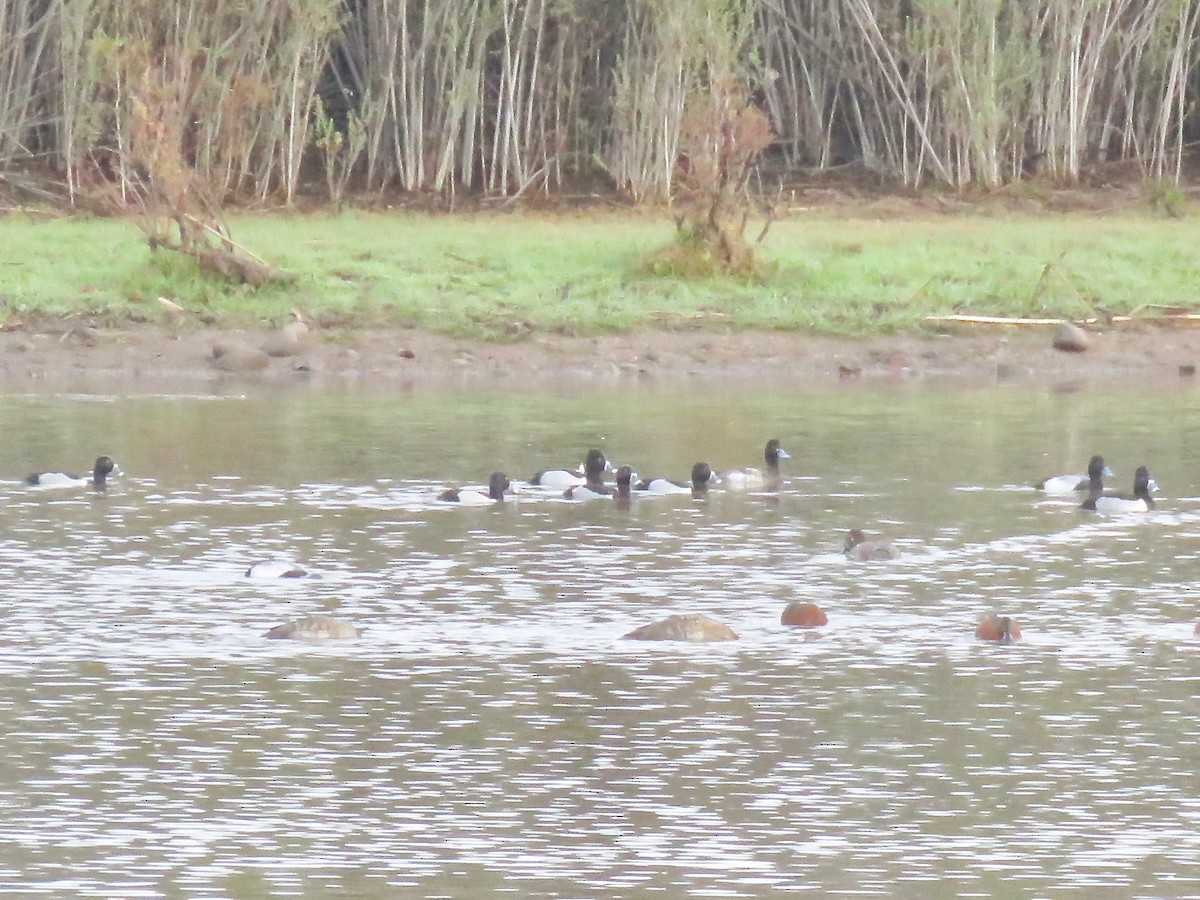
(150, 355)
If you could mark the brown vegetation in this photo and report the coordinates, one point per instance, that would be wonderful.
(165, 188)
(722, 138)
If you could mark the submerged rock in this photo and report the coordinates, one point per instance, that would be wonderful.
(694, 628)
(1070, 338)
(313, 628)
(234, 356)
(288, 340)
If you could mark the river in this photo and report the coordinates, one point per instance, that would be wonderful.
(490, 732)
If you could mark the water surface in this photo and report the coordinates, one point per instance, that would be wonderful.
(491, 733)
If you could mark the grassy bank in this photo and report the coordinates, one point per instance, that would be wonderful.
(495, 276)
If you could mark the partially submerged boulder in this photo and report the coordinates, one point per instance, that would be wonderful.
(692, 627)
(314, 628)
(235, 356)
(288, 340)
(1070, 338)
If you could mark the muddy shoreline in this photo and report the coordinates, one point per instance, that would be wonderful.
(150, 356)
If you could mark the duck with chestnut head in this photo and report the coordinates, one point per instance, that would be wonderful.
(858, 547)
(998, 629)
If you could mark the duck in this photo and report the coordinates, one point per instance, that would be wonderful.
(313, 628)
(1139, 501)
(702, 477)
(625, 476)
(803, 615)
(100, 471)
(277, 568)
(588, 492)
(593, 485)
(751, 479)
(1065, 485)
(558, 479)
(594, 491)
(561, 479)
(1000, 629)
(858, 547)
(497, 485)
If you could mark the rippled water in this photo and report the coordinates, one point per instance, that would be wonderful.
(491, 733)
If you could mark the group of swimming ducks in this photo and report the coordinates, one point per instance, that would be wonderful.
(1003, 629)
(588, 483)
(1091, 486)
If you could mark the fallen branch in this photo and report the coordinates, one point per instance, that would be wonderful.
(229, 265)
(1091, 320)
(230, 243)
(542, 170)
(1166, 310)
(1002, 320)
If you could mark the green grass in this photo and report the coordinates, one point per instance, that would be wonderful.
(502, 276)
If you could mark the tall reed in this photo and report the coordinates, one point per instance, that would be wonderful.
(511, 97)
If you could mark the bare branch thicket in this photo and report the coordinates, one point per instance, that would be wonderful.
(245, 82)
(981, 93)
(27, 102)
(804, 84)
(482, 94)
(656, 73)
(1155, 77)
(413, 72)
(512, 96)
